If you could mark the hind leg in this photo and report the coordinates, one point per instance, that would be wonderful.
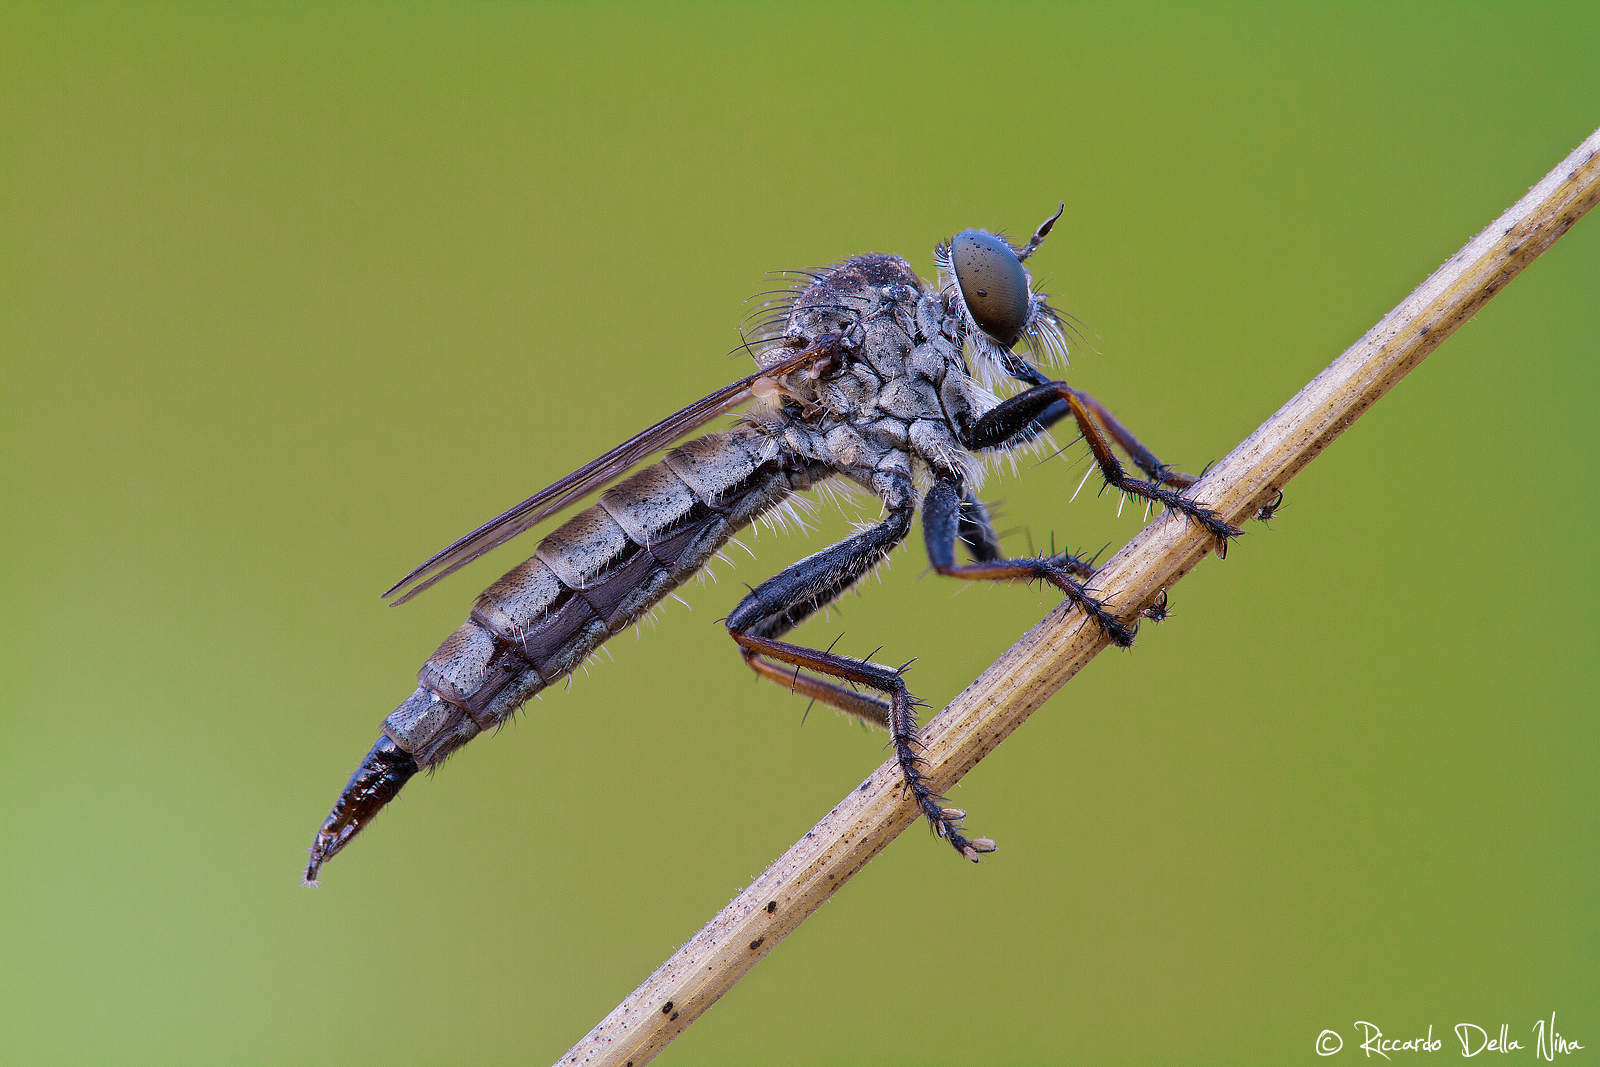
(782, 602)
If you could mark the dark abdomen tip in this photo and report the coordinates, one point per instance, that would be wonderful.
(375, 783)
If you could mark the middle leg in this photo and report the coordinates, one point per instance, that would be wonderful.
(944, 522)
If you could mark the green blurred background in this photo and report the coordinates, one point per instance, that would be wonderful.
(294, 295)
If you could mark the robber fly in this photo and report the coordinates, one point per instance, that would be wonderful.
(865, 373)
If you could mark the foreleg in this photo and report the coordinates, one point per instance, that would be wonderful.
(1023, 415)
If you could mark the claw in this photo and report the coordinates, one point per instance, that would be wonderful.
(1270, 508)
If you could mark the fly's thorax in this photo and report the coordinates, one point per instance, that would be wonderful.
(936, 324)
(865, 311)
(843, 294)
(897, 384)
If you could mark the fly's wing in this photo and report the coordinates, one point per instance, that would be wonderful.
(592, 476)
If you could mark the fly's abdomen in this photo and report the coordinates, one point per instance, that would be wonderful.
(590, 579)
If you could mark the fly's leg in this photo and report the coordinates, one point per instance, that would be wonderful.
(1058, 408)
(780, 603)
(942, 521)
(1266, 511)
(1147, 461)
(1025, 415)
(900, 713)
(976, 533)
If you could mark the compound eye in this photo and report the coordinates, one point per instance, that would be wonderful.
(992, 283)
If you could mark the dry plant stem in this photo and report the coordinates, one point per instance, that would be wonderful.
(1052, 652)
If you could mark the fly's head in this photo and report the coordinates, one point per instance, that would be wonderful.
(990, 296)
